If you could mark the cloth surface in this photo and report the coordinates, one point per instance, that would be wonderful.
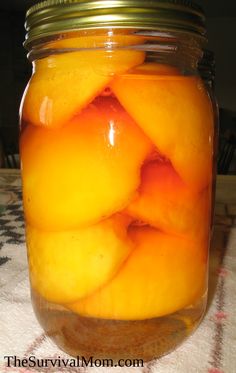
(211, 349)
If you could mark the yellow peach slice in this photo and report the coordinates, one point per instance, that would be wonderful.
(84, 171)
(152, 68)
(162, 275)
(96, 39)
(164, 201)
(65, 266)
(176, 113)
(63, 84)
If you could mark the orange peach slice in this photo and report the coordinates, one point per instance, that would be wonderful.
(164, 201)
(67, 265)
(162, 275)
(63, 84)
(84, 171)
(176, 113)
(152, 68)
(96, 39)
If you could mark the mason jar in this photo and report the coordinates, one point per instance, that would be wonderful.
(207, 69)
(117, 143)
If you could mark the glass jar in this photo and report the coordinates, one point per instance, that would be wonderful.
(207, 69)
(116, 147)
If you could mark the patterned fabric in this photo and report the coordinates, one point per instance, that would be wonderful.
(11, 226)
(211, 349)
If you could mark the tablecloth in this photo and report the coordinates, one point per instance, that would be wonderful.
(211, 349)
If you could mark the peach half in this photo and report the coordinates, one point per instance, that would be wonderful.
(162, 275)
(176, 113)
(85, 171)
(67, 265)
(63, 84)
(165, 202)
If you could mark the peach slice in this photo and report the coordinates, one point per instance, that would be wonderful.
(63, 84)
(84, 171)
(67, 265)
(176, 113)
(163, 274)
(164, 201)
(96, 39)
(152, 68)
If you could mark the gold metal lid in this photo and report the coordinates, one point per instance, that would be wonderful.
(52, 17)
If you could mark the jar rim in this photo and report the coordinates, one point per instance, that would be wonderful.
(52, 17)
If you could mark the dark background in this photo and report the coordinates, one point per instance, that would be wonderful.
(15, 70)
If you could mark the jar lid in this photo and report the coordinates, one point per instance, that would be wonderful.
(52, 17)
